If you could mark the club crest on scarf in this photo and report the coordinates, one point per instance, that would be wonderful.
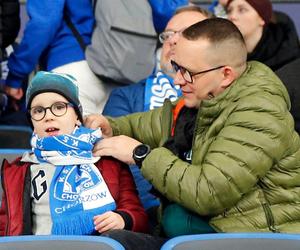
(77, 191)
(85, 178)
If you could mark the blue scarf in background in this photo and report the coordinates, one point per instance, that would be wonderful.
(159, 87)
(77, 191)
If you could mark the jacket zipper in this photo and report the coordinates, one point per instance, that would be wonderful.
(117, 29)
(267, 210)
(270, 218)
(195, 132)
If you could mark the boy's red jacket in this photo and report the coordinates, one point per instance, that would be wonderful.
(15, 211)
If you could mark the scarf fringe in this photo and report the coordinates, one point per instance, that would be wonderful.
(80, 224)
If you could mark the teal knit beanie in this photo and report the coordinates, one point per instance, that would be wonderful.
(63, 84)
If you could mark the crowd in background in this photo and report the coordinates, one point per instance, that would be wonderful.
(274, 41)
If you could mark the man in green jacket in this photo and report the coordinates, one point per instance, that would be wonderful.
(229, 155)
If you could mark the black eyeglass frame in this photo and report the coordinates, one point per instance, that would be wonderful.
(66, 105)
(183, 71)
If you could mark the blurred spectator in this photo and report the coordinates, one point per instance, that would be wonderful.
(49, 42)
(136, 98)
(272, 41)
(124, 40)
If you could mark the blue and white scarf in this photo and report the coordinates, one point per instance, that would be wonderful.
(159, 87)
(77, 191)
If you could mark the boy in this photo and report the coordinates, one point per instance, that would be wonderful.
(60, 188)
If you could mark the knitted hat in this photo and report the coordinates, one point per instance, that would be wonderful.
(262, 7)
(63, 84)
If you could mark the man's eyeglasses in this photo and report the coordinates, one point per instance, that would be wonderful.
(58, 109)
(164, 36)
(187, 75)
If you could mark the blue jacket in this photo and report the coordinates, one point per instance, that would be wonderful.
(124, 101)
(163, 10)
(47, 39)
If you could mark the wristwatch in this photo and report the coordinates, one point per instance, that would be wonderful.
(140, 152)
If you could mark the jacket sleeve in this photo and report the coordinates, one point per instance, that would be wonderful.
(153, 122)
(3, 208)
(122, 187)
(45, 18)
(3, 215)
(129, 201)
(227, 161)
(12, 206)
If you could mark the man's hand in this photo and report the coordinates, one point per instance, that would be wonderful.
(108, 221)
(95, 121)
(16, 93)
(120, 147)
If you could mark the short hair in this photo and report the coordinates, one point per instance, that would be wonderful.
(214, 30)
(223, 36)
(195, 8)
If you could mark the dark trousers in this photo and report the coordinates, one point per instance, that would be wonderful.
(132, 240)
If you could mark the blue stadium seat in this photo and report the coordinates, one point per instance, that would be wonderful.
(63, 242)
(10, 154)
(15, 136)
(235, 241)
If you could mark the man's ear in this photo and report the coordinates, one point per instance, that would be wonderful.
(229, 76)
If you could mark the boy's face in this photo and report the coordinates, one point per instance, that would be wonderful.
(52, 125)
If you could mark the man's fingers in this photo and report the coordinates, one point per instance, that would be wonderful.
(102, 152)
(92, 121)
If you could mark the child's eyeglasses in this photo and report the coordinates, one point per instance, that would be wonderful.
(58, 109)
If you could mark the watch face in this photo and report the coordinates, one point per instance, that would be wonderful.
(141, 150)
(140, 153)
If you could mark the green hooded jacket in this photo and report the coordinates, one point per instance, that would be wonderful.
(245, 170)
